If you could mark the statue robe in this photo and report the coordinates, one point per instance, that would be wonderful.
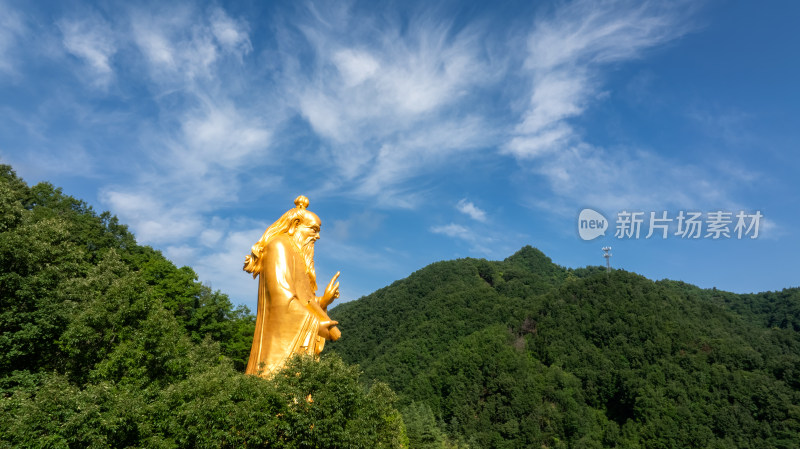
(284, 322)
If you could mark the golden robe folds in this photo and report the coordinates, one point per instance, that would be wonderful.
(284, 322)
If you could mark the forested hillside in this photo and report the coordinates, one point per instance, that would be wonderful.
(105, 343)
(524, 353)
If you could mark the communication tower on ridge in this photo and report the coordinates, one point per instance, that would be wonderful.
(607, 255)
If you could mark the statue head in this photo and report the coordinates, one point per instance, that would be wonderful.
(302, 226)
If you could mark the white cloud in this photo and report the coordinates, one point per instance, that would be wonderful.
(222, 134)
(556, 96)
(90, 39)
(478, 242)
(155, 47)
(566, 52)
(430, 148)
(540, 143)
(770, 230)
(467, 207)
(194, 171)
(155, 219)
(208, 136)
(210, 237)
(454, 230)
(231, 34)
(388, 99)
(63, 158)
(181, 255)
(355, 66)
(12, 29)
(182, 45)
(625, 178)
(586, 32)
(223, 268)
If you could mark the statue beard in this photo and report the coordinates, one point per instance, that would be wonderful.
(308, 255)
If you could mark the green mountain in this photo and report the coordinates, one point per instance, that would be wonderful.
(525, 353)
(105, 343)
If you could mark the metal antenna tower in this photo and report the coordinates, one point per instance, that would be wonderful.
(607, 255)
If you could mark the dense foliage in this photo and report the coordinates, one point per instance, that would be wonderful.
(105, 343)
(524, 353)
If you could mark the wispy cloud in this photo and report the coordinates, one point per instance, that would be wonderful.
(90, 38)
(181, 44)
(223, 263)
(206, 136)
(385, 95)
(478, 242)
(219, 134)
(467, 207)
(12, 29)
(585, 175)
(156, 219)
(232, 35)
(568, 52)
(454, 230)
(425, 150)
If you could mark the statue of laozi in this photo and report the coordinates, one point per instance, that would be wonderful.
(290, 318)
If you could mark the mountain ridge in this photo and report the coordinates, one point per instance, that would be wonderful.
(651, 362)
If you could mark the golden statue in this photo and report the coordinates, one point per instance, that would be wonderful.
(290, 318)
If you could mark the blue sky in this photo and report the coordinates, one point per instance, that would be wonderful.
(419, 132)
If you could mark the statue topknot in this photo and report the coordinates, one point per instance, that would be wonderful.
(301, 202)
